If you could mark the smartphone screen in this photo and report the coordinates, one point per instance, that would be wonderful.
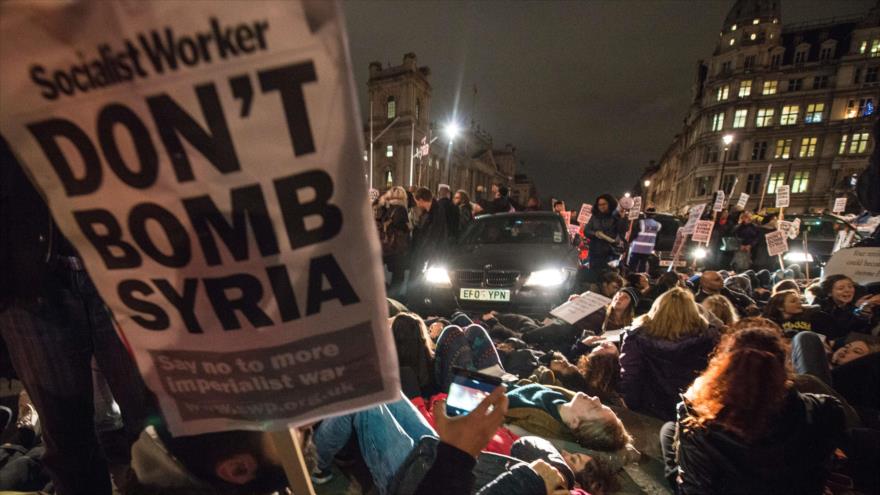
(466, 392)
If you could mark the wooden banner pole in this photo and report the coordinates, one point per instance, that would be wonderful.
(287, 444)
(781, 218)
(806, 255)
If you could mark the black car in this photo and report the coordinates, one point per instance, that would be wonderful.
(509, 262)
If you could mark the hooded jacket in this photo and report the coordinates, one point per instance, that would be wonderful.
(653, 372)
(791, 458)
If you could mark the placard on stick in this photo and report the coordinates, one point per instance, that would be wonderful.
(695, 213)
(703, 231)
(585, 214)
(719, 201)
(743, 200)
(839, 205)
(636, 208)
(777, 243)
(782, 196)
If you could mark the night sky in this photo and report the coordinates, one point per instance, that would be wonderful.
(587, 91)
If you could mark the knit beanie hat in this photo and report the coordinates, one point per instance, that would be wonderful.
(633, 295)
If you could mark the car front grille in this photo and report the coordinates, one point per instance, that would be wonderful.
(492, 278)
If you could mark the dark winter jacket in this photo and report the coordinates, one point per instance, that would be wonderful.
(450, 213)
(465, 217)
(835, 322)
(556, 336)
(608, 223)
(739, 300)
(653, 372)
(790, 459)
(748, 234)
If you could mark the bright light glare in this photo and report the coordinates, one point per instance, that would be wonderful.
(700, 253)
(728, 138)
(626, 195)
(452, 129)
(546, 278)
(437, 275)
(798, 257)
(647, 183)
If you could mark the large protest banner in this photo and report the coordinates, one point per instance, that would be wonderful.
(205, 160)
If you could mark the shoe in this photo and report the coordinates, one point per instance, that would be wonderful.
(321, 476)
(27, 414)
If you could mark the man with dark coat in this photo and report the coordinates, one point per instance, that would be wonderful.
(433, 235)
(604, 230)
(447, 211)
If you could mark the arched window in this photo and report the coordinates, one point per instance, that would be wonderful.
(391, 106)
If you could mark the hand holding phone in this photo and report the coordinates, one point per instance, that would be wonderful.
(467, 390)
(471, 433)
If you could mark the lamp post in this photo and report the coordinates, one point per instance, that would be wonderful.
(726, 139)
(451, 130)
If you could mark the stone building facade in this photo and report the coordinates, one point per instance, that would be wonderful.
(797, 101)
(400, 115)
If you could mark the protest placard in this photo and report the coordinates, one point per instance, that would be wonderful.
(678, 246)
(573, 230)
(719, 201)
(776, 243)
(566, 217)
(785, 226)
(794, 229)
(695, 213)
(579, 307)
(782, 196)
(585, 214)
(861, 264)
(636, 208)
(703, 231)
(839, 205)
(206, 165)
(743, 199)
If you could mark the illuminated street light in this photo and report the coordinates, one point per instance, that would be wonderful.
(700, 253)
(626, 195)
(728, 138)
(647, 183)
(452, 129)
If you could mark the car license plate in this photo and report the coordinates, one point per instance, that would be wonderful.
(678, 263)
(501, 295)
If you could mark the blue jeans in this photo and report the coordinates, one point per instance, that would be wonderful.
(386, 435)
(808, 356)
(52, 340)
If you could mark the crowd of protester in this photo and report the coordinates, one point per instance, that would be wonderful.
(731, 381)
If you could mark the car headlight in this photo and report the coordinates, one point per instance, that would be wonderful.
(546, 278)
(798, 257)
(700, 253)
(437, 275)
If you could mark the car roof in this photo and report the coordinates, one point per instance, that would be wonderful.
(520, 214)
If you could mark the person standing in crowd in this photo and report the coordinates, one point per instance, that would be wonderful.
(447, 211)
(742, 428)
(643, 243)
(54, 322)
(604, 230)
(660, 357)
(749, 236)
(559, 207)
(394, 234)
(465, 209)
(433, 235)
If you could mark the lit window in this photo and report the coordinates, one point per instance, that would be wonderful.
(789, 115)
(769, 88)
(366, 156)
(764, 117)
(808, 147)
(745, 88)
(800, 181)
(814, 113)
(875, 47)
(722, 93)
(733, 28)
(389, 178)
(783, 149)
(859, 108)
(718, 121)
(753, 36)
(756, 21)
(391, 106)
(732, 41)
(739, 118)
(774, 181)
(389, 150)
(863, 47)
(858, 143)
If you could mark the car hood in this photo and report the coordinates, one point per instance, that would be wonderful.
(521, 257)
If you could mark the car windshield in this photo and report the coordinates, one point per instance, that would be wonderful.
(514, 230)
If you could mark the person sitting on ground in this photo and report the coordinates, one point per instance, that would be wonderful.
(839, 313)
(743, 429)
(415, 354)
(609, 283)
(786, 284)
(785, 309)
(712, 284)
(553, 412)
(666, 350)
(722, 308)
(617, 315)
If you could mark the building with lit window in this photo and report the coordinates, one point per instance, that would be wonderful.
(400, 121)
(776, 104)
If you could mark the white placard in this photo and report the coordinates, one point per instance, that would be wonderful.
(680, 241)
(575, 310)
(794, 229)
(719, 201)
(695, 213)
(703, 231)
(861, 264)
(573, 230)
(777, 243)
(585, 214)
(204, 158)
(566, 217)
(839, 205)
(782, 196)
(785, 226)
(743, 200)
(636, 208)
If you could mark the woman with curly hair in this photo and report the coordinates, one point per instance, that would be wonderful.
(742, 428)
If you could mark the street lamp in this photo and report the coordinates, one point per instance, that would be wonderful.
(647, 182)
(726, 139)
(451, 130)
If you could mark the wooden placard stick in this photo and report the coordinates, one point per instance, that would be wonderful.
(287, 444)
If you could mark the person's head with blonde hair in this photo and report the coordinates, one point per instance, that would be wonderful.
(722, 308)
(673, 316)
(396, 193)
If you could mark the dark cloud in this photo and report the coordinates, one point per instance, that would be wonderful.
(588, 91)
